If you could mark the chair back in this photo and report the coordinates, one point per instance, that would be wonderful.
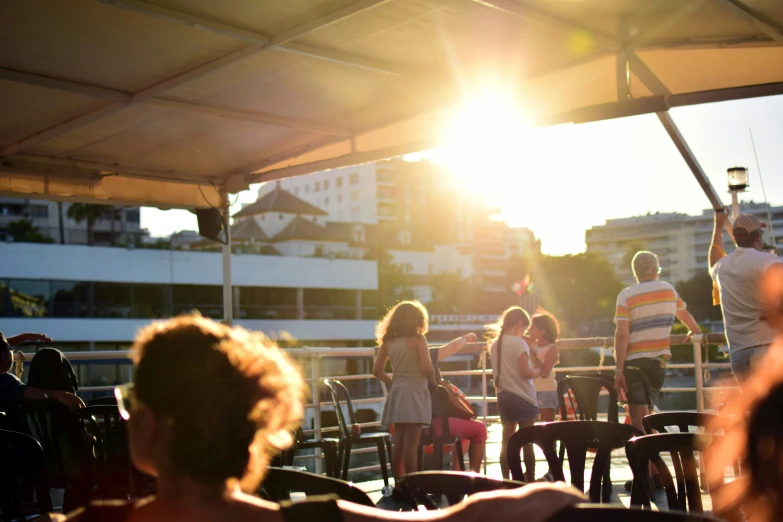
(577, 437)
(280, 482)
(115, 463)
(594, 513)
(683, 420)
(68, 448)
(21, 457)
(418, 488)
(109, 400)
(585, 390)
(333, 388)
(685, 495)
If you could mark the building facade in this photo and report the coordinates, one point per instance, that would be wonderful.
(681, 241)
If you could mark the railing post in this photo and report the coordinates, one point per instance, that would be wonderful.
(485, 404)
(697, 370)
(315, 363)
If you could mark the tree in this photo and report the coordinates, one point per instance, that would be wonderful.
(631, 248)
(23, 231)
(89, 213)
(697, 294)
(394, 283)
(452, 294)
(581, 290)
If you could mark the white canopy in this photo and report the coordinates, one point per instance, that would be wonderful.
(176, 102)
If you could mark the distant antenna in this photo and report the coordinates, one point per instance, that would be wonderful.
(764, 192)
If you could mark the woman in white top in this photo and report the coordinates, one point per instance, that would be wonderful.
(543, 333)
(513, 377)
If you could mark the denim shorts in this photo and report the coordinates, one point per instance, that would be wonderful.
(644, 378)
(547, 400)
(742, 361)
(515, 409)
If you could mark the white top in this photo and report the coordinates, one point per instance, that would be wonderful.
(511, 380)
(548, 383)
(738, 276)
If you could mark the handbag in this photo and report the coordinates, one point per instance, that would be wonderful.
(458, 406)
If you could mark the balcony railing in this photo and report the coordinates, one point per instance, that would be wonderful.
(312, 363)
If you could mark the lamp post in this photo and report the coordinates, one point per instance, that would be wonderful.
(738, 182)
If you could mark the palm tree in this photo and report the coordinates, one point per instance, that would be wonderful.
(89, 213)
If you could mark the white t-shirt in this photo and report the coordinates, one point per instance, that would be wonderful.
(511, 380)
(738, 276)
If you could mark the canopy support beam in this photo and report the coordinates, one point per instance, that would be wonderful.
(228, 294)
(200, 71)
(740, 10)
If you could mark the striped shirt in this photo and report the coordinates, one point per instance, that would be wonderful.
(651, 308)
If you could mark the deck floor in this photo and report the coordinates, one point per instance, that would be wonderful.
(620, 474)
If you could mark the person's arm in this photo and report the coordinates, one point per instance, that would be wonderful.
(69, 399)
(772, 295)
(523, 365)
(28, 338)
(716, 246)
(378, 369)
(622, 334)
(687, 319)
(454, 346)
(552, 356)
(425, 361)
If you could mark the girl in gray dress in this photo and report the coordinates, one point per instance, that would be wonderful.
(408, 408)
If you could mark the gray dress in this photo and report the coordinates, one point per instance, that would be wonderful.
(409, 399)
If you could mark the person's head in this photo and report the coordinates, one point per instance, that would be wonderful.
(6, 354)
(514, 321)
(210, 403)
(544, 327)
(645, 266)
(406, 319)
(748, 231)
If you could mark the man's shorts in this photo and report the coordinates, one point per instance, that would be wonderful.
(743, 361)
(644, 378)
(515, 409)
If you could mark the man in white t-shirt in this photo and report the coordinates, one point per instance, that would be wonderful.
(739, 277)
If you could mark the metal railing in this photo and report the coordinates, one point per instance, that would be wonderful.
(312, 359)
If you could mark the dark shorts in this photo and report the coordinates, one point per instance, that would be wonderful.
(644, 378)
(742, 361)
(513, 408)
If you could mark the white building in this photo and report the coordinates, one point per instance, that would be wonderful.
(680, 241)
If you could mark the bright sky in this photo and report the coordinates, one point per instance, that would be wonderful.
(560, 181)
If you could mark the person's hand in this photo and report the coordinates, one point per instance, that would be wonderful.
(69, 399)
(470, 338)
(720, 218)
(621, 387)
(37, 338)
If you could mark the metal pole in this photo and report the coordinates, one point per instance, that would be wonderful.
(697, 369)
(315, 364)
(485, 405)
(734, 205)
(228, 306)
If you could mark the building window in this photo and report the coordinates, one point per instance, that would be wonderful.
(404, 237)
(132, 215)
(339, 198)
(354, 195)
(354, 179)
(326, 202)
(355, 214)
(280, 217)
(29, 298)
(339, 181)
(339, 215)
(71, 299)
(326, 184)
(113, 300)
(39, 211)
(317, 186)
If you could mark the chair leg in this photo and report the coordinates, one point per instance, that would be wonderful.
(460, 455)
(420, 458)
(607, 482)
(346, 459)
(437, 452)
(387, 441)
(382, 459)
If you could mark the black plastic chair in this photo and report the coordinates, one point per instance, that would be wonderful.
(686, 494)
(329, 446)
(279, 483)
(109, 400)
(70, 450)
(593, 513)
(381, 439)
(419, 488)
(585, 390)
(438, 444)
(116, 470)
(683, 420)
(23, 463)
(577, 437)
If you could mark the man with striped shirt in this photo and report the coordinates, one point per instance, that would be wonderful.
(644, 317)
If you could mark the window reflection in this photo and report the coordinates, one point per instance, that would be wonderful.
(29, 298)
(70, 299)
(112, 300)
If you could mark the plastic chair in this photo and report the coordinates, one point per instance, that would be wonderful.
(115, 463)
(23, 462)
(328, 445)
(577, 437)
(686, 494)
(109, 400)
(681, 419)
(348, 437)
(453, 485)
(586, 390)
(593, 513)
(446, 440)
(69, 449)
(280, 482)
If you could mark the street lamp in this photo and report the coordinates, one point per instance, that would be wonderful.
(738, 182)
